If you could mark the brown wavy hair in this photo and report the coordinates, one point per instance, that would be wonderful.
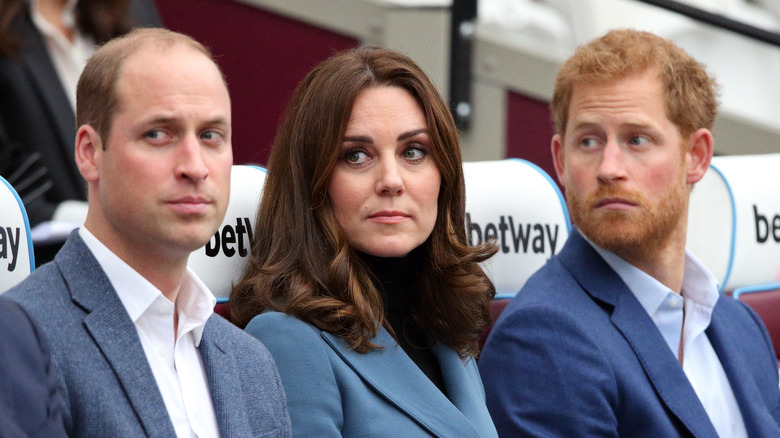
(301, 262)
(101, 19)
(691, 95)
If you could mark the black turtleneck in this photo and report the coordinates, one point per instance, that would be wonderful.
(395, 279)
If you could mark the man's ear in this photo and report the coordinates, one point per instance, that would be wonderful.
(89, 150)
(698, 155)
(556, 147)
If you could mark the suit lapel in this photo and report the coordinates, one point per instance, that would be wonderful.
(636, 326)
(414, 393)
(224, 381)
(41, 70)
(758, 422)
(114, 333)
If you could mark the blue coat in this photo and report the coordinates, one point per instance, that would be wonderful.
(333, 391)
(108, 385)
(30, 402)
(576, 355)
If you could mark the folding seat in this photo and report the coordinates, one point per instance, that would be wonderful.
(221, 262)
(518, 205)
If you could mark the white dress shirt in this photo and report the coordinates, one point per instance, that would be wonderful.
(700, 362)
(176, 363)
(69, 58)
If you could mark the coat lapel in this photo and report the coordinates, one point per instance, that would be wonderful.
(758, 421)
(464, 388)
(636, 326)
(224, 381)
(414, 394)
(114, 333)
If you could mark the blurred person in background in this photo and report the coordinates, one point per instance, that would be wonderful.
(44, 45)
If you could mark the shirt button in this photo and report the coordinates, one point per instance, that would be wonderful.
(161, 351)
(673, 303)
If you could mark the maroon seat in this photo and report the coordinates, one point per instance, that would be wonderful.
(223, 310)
(765, 300)
(496, 307)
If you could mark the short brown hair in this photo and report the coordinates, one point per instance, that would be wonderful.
(301, 262)
(97, 99)
(690, 93)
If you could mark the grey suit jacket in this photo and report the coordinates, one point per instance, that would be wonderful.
(108, 386)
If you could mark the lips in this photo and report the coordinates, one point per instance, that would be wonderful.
(613, 202)
(189, 205)
(389, 217)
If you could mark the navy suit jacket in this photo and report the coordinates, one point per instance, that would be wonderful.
(30, 402)
(334, 391)
(576, 355)
(39, 122)
(108, 385)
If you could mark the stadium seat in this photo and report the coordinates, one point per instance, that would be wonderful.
(221, 262)
(16, 250)
(518, 205)
(734, 220)
(765, 300)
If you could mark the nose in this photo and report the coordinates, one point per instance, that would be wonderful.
(191, 164)
(611, 165)
(389, 182)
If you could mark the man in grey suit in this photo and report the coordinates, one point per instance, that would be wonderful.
(132, 329)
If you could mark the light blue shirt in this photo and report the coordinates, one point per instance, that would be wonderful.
(685, 317)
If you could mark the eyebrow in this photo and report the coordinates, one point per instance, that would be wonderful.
(594, 125)
(369, 140)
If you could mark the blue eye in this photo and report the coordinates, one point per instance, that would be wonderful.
(638, 140)
(157, 136)
(355, 156)
(414, 153)
(588, 142)
(154, 134)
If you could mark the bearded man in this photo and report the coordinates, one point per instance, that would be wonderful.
(624, 333)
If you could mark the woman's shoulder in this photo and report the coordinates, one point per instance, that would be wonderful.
(273, 327)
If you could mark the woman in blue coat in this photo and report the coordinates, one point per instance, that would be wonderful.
(361, 281)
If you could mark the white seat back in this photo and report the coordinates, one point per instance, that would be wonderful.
(16, 250)
(516, 203)
(734, 220)
(220, 264)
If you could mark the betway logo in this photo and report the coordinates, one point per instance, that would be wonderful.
(230, 240)
(9, 240)
(513, 237)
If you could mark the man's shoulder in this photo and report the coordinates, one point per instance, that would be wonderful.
(232, 340)
(551, 283)
(43, 285)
